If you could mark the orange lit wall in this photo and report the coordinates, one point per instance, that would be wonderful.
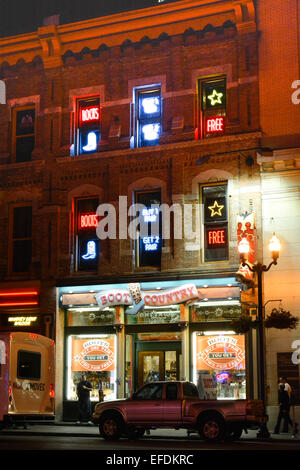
(279, 67)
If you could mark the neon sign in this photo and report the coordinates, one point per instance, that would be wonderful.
(90, 114)
(216, 237)
(215, 125)
(151, 131)
(151, 105)
(91, 251)
(215, 98)
(216, 209)
(22, 321)
(87, 221)
(150, 214)
(91, 142)
(151, 243)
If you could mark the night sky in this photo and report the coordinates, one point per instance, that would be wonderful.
(22, 16)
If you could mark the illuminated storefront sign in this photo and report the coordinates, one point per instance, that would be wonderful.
(87, 221)
(91, 142)
(22, 321)
(11, 298)
(222, 352)
(215, 98)
(215, 125)
(151, 132)
(91, 252)
(93, 355)
(90, 114)
(151, 243)
(150, 214)
(216, 209)
(216, 237)
(151, 298)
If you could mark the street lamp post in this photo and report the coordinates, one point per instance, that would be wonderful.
(259, 269)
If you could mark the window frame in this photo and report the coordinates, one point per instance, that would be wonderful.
(84, 234)
(79, 128)
(138, 240)
(217, 223)
(138, 121)
(203, 114)
(16, 137)
(12, 239)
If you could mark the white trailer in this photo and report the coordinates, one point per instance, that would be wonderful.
(26, 377)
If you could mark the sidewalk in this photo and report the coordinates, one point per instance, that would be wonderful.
(84, 430)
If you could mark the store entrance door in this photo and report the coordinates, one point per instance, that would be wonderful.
(158, 365)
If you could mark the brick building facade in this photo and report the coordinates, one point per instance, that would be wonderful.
(74, 136)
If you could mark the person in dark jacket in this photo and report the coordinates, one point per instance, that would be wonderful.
(284, 410)
(84, 403)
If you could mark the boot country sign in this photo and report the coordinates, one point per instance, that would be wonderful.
(137, 299)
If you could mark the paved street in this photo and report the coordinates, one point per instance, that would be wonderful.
(67, 436)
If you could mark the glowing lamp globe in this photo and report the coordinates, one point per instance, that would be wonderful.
(274, 247)
(244, 246)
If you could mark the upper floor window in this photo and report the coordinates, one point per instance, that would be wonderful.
(23, 133)
(215, 218)
(212, 107)
(149, 243)
(21, 239)
(148, 115)
(87, 125)
(87, 242)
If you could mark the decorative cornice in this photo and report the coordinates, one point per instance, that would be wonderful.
(186, 18)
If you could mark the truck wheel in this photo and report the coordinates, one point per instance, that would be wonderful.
(211, 427)
(110, 427)
(233, 433)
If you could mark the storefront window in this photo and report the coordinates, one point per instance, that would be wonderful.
(219, 368)
(155, 315)
(95, 357)
(215, 312)
(84, 316)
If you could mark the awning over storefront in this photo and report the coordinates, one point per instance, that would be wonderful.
(153, 293)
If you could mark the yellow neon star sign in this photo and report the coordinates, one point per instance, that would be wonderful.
(215, 98)
(216, 209)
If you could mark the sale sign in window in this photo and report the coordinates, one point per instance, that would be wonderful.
(215, 125)
(216, 237)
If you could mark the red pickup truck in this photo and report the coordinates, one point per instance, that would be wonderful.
(177, 405)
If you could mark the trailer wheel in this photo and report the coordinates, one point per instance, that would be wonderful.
(211, 427)
(111, 426)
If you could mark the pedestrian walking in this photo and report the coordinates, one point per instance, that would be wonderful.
(284, 409)
(84, 403)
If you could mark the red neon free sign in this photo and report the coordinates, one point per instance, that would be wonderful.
(90, 114)
(216, 237)
(88, 220)
(215, 125)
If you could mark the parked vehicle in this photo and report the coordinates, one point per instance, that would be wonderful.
(26, 377)
(177, 405)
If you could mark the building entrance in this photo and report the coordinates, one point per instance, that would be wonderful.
(159, 365)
